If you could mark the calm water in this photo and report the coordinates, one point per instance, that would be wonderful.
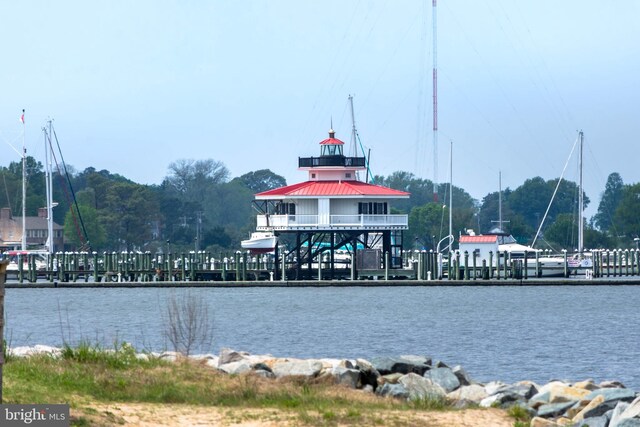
(503, 333)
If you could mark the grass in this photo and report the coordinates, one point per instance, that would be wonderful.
(87, 375)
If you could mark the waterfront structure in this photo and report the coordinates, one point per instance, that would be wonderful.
(36, 231)
(333, 212)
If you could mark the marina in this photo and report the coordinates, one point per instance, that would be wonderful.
(243, 269)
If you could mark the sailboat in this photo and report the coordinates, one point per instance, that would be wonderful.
(581, 261)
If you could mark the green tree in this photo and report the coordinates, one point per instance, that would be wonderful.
(129, 215)
(261, 180)
(609, 202)
(626, 215)
(96, 235)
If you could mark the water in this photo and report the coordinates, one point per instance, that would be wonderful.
(507, 333)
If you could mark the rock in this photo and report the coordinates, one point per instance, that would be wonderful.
(388, 365)
(420, 387)
(390, 379)
(392, 390)
(368, 388)
(418, 360)
(493, 387)
(439, 364)
(562, 393)
(26, 351)
(587, 385)
(539, 399)
(305, 368)
(525, 390)
(346, 376)
(601, 421)
(474, 393)
(611, 398)
(597, 401)
(236, 368)
(633, 411)
(462, 375)
(554, 409)
(261, 366)
(228, 355)
(263, 373)
(368, 374)
(611, 384)
(616, 414)
(629, 422)
(542, 422)
(444, 377)
(499, 400)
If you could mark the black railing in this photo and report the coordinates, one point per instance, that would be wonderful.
(310, 162)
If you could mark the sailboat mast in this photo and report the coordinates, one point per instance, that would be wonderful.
(24, 184)
(500, 200)
(580, 198)
(450, 195)
(48, 156)
(435, 101)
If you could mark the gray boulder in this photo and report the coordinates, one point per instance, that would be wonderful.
(468, 393)
(420, 388)
(554, 409)
(601, 421)
(632, 411)
(525, 390)
(629, 422)
(236, 368)
(616, 414)
(346, 376)
(303, 368)
(444, 377)
(368, 374)
(263, 373)
(462, 375)
(228, 355)
(388, 365)
(501, 400)
(393, 390)
(611, 398)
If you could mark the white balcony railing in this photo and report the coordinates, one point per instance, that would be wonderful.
(283, 222)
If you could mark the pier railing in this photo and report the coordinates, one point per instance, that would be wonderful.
(201, 266)
(293, 222)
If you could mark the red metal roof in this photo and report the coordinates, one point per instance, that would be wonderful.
(332, 188)
(478, 239)
(331, 141)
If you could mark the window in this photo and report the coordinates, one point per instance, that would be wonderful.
(285, 208)
(313, 175)
(372, 208)
(347, 175)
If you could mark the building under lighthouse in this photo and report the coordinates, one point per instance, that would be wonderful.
(332, 211)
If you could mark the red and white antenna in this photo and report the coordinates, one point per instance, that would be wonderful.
(435, 102)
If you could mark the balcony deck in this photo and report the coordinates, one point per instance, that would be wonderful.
(332, 222)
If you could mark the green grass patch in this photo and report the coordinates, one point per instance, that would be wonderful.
(88, 374)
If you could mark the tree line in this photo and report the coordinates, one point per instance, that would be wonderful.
(200, 206)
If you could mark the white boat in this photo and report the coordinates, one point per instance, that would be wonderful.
(40, 259)
(260, 242)
(550, 266)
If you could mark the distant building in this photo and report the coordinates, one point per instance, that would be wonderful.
(36, 230)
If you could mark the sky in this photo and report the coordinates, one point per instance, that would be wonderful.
(132, 86)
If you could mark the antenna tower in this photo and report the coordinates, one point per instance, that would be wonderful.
(435, 102)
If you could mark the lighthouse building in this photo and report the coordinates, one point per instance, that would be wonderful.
(333, 210)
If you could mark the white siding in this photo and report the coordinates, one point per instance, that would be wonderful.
(344, 207)
(324, 209)
(306, 207)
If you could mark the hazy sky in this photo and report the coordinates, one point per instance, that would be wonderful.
(135, 85)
